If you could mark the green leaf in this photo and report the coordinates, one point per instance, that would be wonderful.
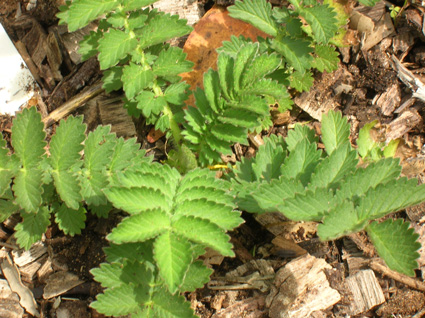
(166, 305)
(261, 66)
(196, 277)
(92, 187)
(6, 173)
(81, 12)
(296, 52)
(28, 190)
(70, 221)
(177, 93)
(369, 3)
(32, 227)
(171, 62)
(322, 20)
(397, 244)
(212, 89)
(335, 130)
(299, 133)
(365, 142)
(173, 256)
(7, 208)
(66, 144)
(245, 56)
(129, 5)
(161, 28)
(117, 301)
(112, 79)
(326, 58)
(89, 45)
(135, 79)
(68, 187)
(114, 46)
(140, 227)
(225, 65)
(203, 232)
(302, 82)
(341, 220)
(256, 12)
(334, 168)
(28, 137)
(150, 104)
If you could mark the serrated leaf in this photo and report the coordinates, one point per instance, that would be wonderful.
(81, 12)
(390, 197)
(196, 277)
(161, 28)
(177, 93)
(137, 252)
(397, 244)
(335, 130)
(341, 220)
(326, 58)
(225, 65)
(112, 79)
(301, 162)
(374, 174)
(171, 62)
(261, 66)
(243, 59)
(33, 226)
(98, 148)
(7, 208)
(301, 81)
(118, 301)
(124, 153)
(256, 12)
(296, 52)
(173, 256)
(28, 137)
(166, 305)
(89, 45)
(108, 275)
(230, 133)
(299, 133)
(322, 20)
(92, 186)
(135, 79)
(307, 206)
(6, 173)
(268, 87)
(365, 142)
(140, 227)
(70, 221)
(101, 211)
(114, 46)
(212, 89)
(66, 143)
(68, 187)
(335, 167)
(203, 232)
(130, 5)
(28, 190)
(150, 104)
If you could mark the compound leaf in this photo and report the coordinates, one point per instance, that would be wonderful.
(326, 58)
(296, 52)
(135, 79)
(166, 305)
(171, 62)
(396, 243)
(322, 20)
(196, 277)
(117, 301)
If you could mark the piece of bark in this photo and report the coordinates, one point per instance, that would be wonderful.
(190, 10)
(112, 112)
(59, 283)
(367, 292)
(326, 92)
(26, 297)
(301, 288)
(408, 78)
(25, 257)
(389, 100)
(9, 302)
(403, 124)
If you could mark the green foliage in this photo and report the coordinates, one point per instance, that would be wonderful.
(130, 46)
(295, 178)
(301, 35)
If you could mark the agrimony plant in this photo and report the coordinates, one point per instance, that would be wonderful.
(294, 177)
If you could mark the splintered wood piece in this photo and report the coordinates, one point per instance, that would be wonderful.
(59, 283)
(112, 112)
(403, 124)
(22, 257)
(9, 302)
(367, 292)
(301, 289)
(389, 100)
(10, 271)
(408, 78)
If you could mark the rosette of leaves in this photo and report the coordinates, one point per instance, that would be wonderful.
(235, 100)
(130, 46)
(64, 183)
(171, 219)
(302, 35)
(294, 177)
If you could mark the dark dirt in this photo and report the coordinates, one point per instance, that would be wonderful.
(369, 76)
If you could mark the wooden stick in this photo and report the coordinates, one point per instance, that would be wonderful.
(71, 105)
(409, 281)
